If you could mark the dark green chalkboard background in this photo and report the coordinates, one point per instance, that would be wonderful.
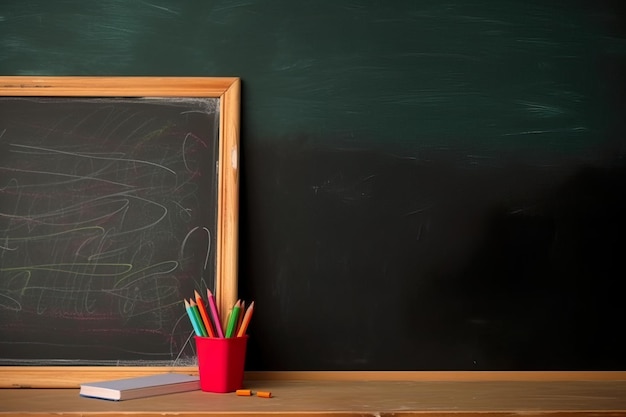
(425, 184)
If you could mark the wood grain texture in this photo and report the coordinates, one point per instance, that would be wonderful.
(72, 377)
(445, 376)
(357, 398)
(228, 199)
(117, 86)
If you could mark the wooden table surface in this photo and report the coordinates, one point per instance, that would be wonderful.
(345, 398)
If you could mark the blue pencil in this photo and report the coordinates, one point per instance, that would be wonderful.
(192, 318)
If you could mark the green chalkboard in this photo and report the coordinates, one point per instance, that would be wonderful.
(113, 209)
(426, 185)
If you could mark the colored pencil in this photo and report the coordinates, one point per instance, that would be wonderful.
(214, 312)
(233, 320)
(240, 318)
(192, 319)
(246, 320)
(196, 313)
(204, 314)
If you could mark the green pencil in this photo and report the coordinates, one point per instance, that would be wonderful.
(233, 320)
(196, 314)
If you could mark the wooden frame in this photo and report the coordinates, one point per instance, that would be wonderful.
(71, 377)
(227, 89)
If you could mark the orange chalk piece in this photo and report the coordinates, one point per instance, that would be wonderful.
(264, 394)
(244, 392)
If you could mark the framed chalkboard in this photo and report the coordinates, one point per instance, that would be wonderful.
(118, 199)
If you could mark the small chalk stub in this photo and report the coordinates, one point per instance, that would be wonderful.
(264, 394)
(244, 392)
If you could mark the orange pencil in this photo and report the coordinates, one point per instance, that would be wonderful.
(204, 315)
(246, 320)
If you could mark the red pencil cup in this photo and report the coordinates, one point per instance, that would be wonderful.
(221, 362)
